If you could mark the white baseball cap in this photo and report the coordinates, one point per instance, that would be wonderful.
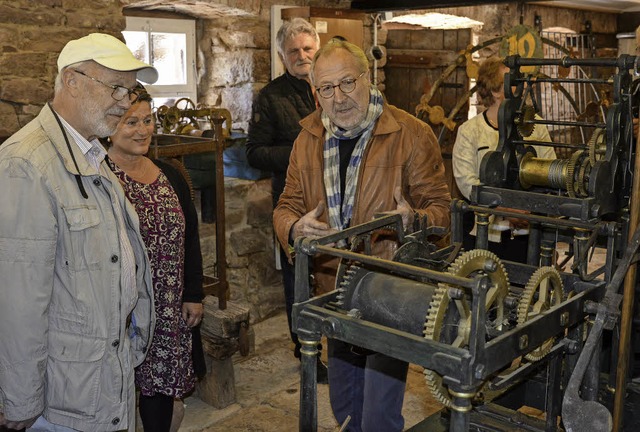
(107, 51)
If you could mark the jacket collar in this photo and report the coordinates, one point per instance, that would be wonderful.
(57, 136)
(385, 124)
(297, 83)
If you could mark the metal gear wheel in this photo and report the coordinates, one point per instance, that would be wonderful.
(542, 291)
(582, 181)
(449, 319)
(528, 113)
(346, 272)
(597, 145)
(572, 182)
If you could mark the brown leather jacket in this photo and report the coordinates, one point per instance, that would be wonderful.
(403, 151)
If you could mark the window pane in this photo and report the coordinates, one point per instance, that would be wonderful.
(169, 56)
(138, 44)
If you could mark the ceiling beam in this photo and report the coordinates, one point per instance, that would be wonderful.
(385, 5)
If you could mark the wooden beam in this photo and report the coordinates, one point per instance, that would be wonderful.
(385, 5)
(421, 58)
(318, 12)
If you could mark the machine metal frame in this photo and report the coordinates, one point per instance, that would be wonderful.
(598, 214)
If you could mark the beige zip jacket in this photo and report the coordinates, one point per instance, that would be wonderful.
(69, 339)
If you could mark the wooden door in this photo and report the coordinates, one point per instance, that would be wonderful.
(416, 59)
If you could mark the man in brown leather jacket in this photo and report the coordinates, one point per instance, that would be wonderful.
(354, 158)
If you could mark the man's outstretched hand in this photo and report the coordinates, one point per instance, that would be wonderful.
(309, 225)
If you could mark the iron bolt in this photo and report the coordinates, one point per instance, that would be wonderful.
(490, 266)
(479, 371)
(523, 343)
(456, 293)
(331, 327)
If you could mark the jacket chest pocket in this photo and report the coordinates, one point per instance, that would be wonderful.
(85, 239)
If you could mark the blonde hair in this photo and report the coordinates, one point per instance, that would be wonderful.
(336, 44)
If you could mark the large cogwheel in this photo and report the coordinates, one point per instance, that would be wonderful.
(449, 319)
(572, 179)
(347, 270)
(597, 145)
(528, 114)
(543, 291)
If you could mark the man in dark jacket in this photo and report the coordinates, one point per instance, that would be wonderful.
(280, 105)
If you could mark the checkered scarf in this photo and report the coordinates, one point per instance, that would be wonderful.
(341, 208)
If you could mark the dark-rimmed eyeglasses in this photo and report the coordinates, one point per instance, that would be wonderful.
(118, 93)
(347, 85)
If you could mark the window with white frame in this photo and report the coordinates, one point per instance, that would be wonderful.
(170, 46)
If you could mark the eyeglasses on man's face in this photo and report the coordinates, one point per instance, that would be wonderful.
(347, 85)
(118, 93)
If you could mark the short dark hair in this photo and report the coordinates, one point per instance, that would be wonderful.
(143, 94)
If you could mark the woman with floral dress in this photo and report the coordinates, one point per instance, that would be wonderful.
(169, 228)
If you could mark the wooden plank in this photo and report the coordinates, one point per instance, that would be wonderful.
(464, 39)
(351, 30)
(421, 58)
(222, 323)
(317, 12)
(450, 39)
(398, 39)
(427, 39)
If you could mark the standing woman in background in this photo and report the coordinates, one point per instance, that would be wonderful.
(508, 237)
(169, 228)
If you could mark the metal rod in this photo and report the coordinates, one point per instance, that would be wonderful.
(308, 420)
(556, 222)
(391, 265)
(623, 62)
(565, 80)
(554, 394)
(482, 230)
(221, 255)
(550, 144)
(565, 123)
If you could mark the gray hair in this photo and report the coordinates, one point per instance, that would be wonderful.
(293, 28)
(57, 85)
(336, 44)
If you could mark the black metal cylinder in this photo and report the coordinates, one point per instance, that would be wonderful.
(392, 301)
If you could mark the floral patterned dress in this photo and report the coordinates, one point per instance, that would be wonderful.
(168, 367)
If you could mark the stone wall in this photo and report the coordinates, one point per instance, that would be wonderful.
(253, 280)
(32, 33)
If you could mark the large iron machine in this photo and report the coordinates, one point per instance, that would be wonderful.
(495, 335)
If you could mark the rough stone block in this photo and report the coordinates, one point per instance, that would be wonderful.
(9, 123)
(25, 90)
(247, 240)
(23, 64)
(238, 101)
(260, 205)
